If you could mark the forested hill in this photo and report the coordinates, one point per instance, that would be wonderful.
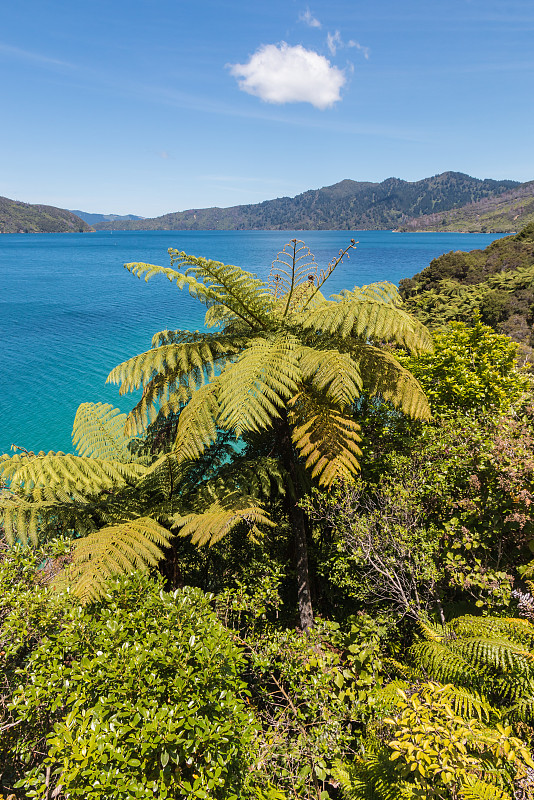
(16, 217)
(507, 212)
(348, 205)
(497, 282)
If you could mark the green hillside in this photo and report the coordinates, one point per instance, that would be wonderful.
(347, 205)
(498, 282)
(504, 213)
(16, 217)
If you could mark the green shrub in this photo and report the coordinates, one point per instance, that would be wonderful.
(140, 696)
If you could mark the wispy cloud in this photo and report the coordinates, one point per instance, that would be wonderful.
(365, 51)
(284, 74)
(308, 18)
(164, 154)
(333, 41)
(26, 55)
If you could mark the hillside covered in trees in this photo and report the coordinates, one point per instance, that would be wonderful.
(497, 282)
(507, 212)
(348, 205)
(17, 217)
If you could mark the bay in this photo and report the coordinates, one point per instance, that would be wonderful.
(70, 312)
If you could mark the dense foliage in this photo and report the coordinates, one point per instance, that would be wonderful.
(497, 282)
(415, 676)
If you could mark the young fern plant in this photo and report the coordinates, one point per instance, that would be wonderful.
(280, 357)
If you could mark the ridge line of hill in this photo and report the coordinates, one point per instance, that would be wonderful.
(347, 205)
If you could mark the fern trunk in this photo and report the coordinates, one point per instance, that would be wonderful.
(298, 525)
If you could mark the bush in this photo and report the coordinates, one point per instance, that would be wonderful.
(140, 696)
(471, 368)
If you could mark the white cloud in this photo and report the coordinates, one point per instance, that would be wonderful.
(363, 50)
(284, 74)
(309, 19)
(334, 41)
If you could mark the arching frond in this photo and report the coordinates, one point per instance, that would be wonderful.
(363, 315)
(473, 788)
(337, 374)
(516, 629)
(59, 476)
(241, 292)
(258, 384)
(133, 545)
(440, 663)
(436, 633)
(98, 432)
(501, 654)
(383, 375)
(221, 517)
(197, 426)
(255, 477)
(21, 518)
(325, 437)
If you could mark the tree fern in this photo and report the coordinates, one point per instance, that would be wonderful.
(282, 357)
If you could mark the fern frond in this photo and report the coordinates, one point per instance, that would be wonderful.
(197, 425)
(258, 384)
(516, 629)
(372, 777)
(383, 375)
(221, 517)
(501, 654)
(473, 788)
(118, 549)
(386, 697)
(21, 519)
(325, 437)
(363, 315)
(331, 371)
(98, 432)
(440, 663)
(59, 476)
(241, 292)
(435, 633)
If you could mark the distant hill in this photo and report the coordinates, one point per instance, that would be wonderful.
(503, 213)
(497, 282)
(348, 205)
(92, 219)
(16, 217)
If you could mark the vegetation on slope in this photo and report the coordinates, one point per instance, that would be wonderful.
(16, 217)
(497, 283)
(507, 212)
(348, 205)
(416, 678)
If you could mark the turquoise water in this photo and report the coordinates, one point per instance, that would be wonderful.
(69, 311)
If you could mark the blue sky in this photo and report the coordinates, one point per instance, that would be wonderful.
(151, 106)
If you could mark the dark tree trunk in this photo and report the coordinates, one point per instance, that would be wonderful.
(298, 525)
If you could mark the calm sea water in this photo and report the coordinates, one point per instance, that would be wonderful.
(69, 312)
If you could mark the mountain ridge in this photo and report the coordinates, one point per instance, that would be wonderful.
(346, 205)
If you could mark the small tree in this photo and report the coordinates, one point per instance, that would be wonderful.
(471, 368)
